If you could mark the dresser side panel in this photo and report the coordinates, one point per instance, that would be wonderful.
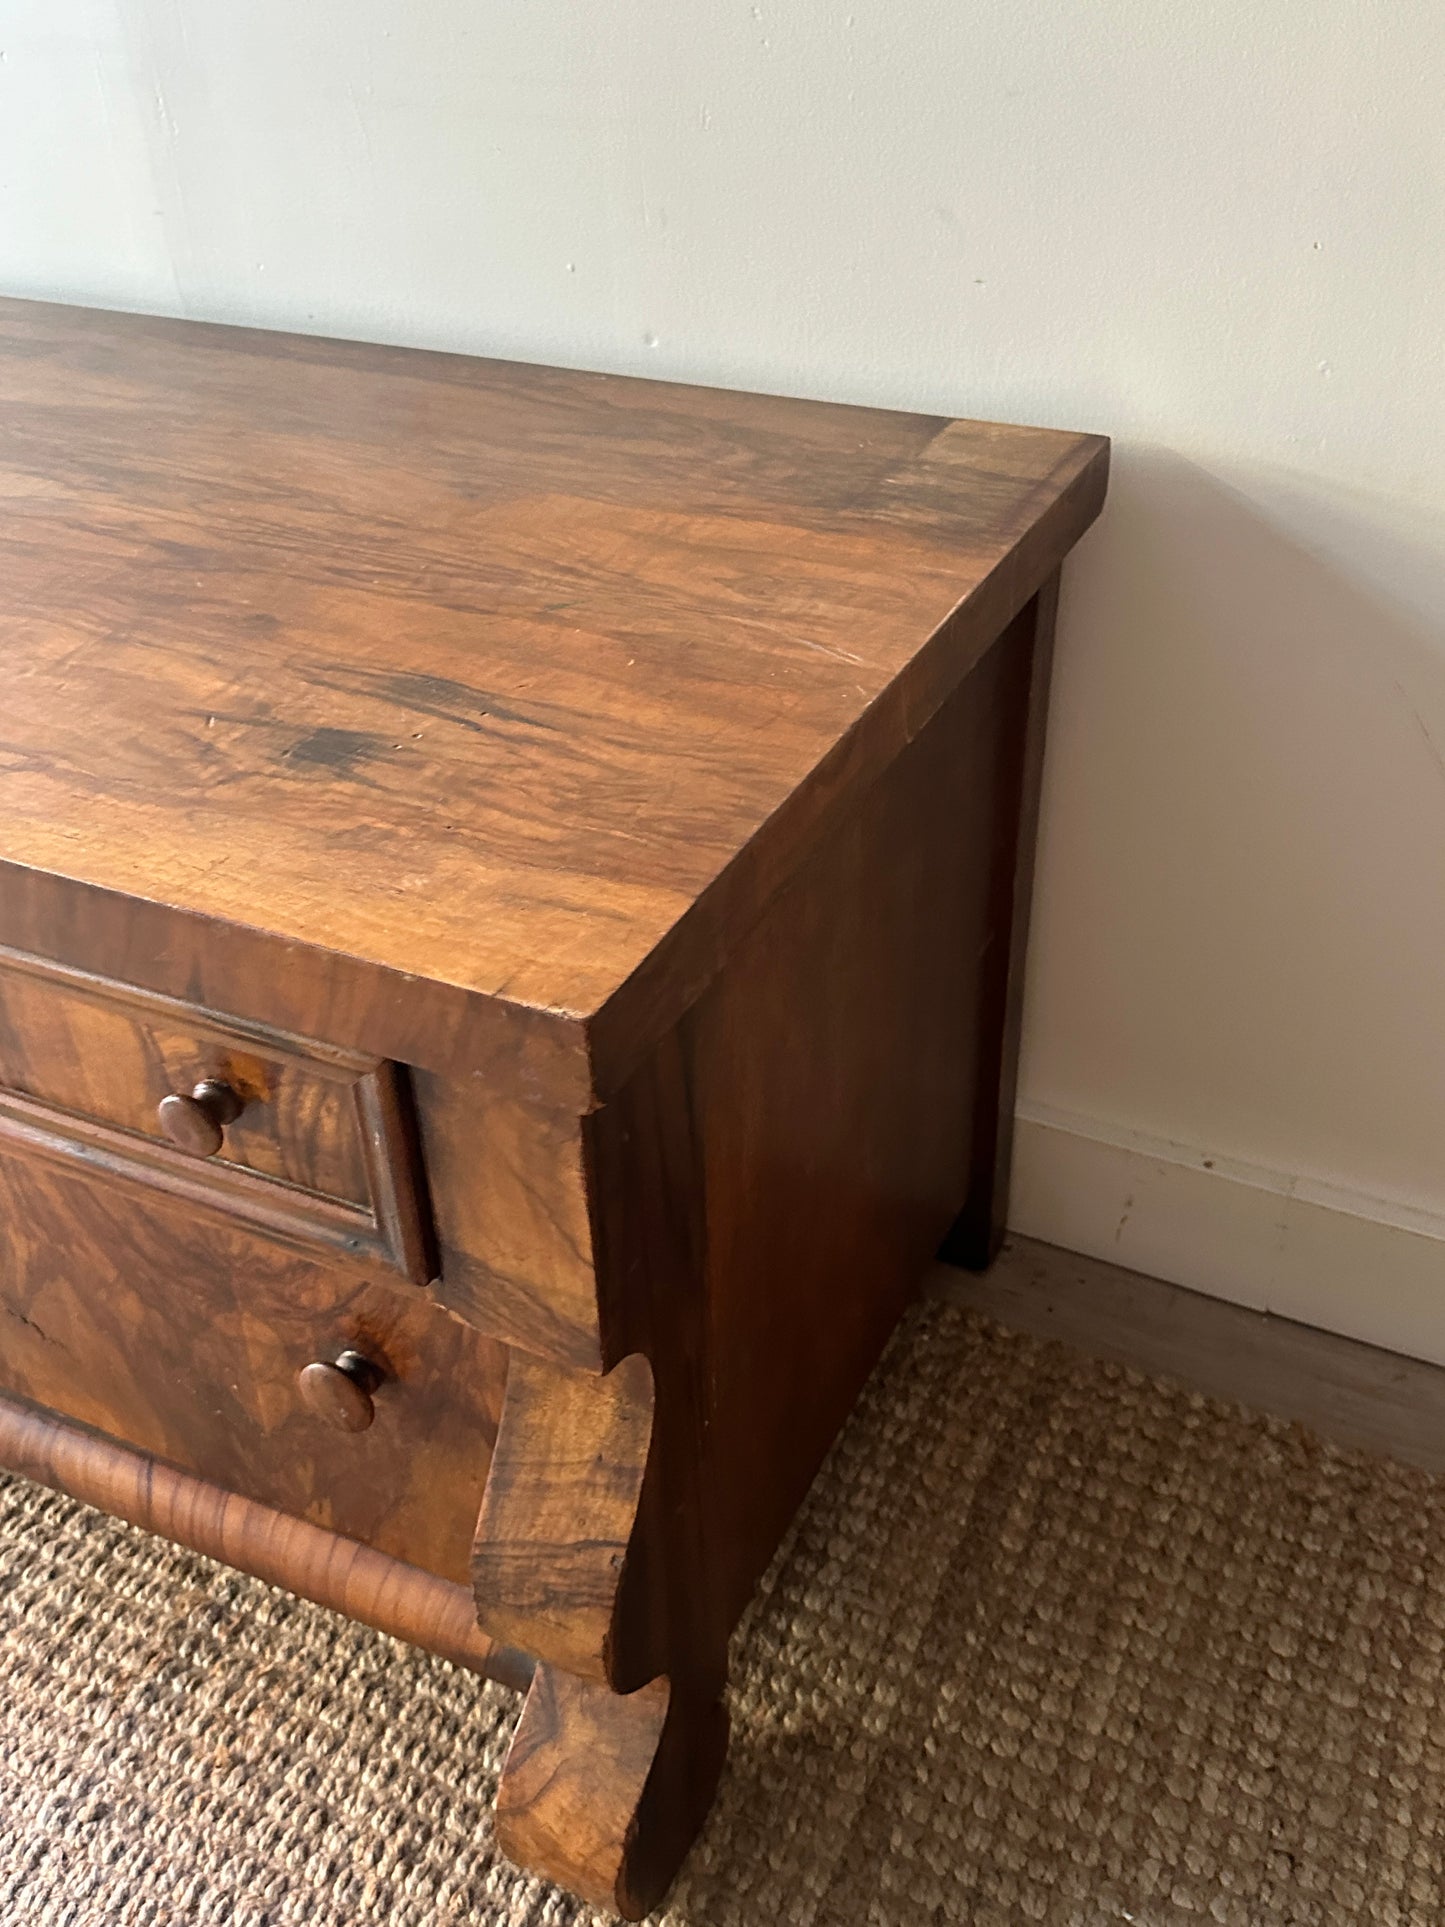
(774, 1182)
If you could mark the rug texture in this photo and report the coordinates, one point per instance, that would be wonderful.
(1051, 1642)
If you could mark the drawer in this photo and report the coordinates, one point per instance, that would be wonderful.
(183, 1333)
(301, 1139)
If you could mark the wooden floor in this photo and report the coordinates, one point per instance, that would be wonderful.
(1351, 1393)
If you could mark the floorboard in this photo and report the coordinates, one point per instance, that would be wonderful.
(1353, 1394)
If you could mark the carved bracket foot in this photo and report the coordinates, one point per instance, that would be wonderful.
(604, 1787)
(605, 1792)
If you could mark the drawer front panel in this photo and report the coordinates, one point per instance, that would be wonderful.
(114, 1062)
(322, 1149)
(183, 1335)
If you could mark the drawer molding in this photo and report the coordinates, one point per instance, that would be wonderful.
(284, 1211)
(154, 1005)
(400, 1220)
(383, 1216)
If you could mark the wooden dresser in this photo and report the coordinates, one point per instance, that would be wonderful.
(513, 889)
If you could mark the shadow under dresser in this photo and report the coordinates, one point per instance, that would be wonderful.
(513, 893)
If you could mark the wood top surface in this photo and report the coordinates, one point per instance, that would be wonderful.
(511, 678)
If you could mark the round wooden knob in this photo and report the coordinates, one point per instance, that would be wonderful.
(341, 1392)
(197, 1123)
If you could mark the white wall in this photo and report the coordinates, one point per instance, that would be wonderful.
(1214, 230)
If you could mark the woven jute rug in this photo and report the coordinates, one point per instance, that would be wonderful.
(1051, 1642)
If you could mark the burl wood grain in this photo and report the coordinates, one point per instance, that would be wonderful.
(319, 1145)
(558, 1516)
(526, 682)
(182, 1335)
(91, 1053)
(606, 1791)
(509, 1196)
(645, 779)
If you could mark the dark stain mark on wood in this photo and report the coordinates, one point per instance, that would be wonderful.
(337, 751)
(442, 697)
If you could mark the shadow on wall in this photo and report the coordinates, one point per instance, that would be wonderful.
(1240, 921)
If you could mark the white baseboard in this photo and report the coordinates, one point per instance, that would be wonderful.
(1330, 1257)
